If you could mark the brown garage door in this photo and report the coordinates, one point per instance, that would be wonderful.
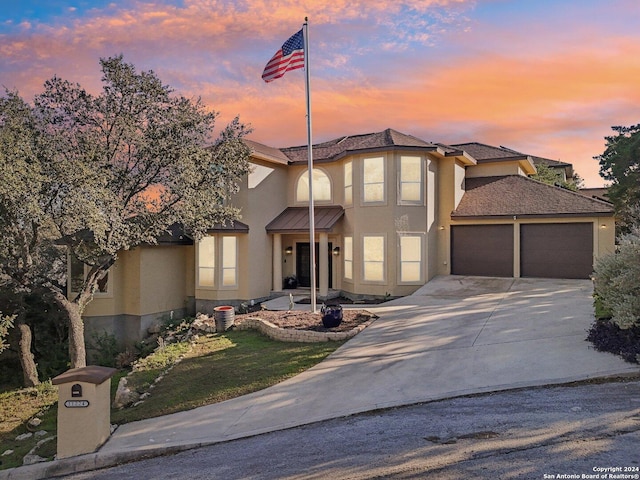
(556, 250)
(482, 250)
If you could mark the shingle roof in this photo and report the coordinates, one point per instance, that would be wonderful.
(296, 220)
(599, 193)
(516, 195)
(339, 147)
(482, 151)
(232, 226)
(268, 153)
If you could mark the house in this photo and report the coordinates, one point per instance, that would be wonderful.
(391, 212)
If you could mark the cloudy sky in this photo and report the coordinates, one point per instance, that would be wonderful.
(545, 77)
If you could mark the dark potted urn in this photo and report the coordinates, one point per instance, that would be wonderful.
(331, 315)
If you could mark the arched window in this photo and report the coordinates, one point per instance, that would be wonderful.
(321, 187)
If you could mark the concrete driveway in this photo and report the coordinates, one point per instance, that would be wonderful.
(454, 336)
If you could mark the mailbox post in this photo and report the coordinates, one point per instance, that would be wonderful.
(84, 415)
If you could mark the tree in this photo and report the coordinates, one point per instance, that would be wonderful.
(6, 322)
(117, 169)
(550, 176)
(24, 255)
(620, 164)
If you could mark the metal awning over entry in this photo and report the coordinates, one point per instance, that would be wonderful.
(296, 220)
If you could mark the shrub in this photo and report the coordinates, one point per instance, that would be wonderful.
(617, 281)
(105, 349)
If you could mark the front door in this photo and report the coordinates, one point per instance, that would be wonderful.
(303, 264)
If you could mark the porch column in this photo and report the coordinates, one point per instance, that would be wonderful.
(323, 263)
(277, 262)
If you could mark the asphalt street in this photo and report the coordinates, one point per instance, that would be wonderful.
(586, 430)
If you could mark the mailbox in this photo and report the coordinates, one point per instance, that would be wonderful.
(84, 415)
(76, 390)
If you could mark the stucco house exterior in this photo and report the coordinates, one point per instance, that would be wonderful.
(391, 212)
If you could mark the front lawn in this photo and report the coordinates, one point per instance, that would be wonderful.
(218, 367)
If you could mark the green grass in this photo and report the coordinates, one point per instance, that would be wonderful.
(218, 367)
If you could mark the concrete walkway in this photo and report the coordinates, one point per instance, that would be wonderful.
(454, 336)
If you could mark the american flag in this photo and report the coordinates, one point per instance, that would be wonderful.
(289, 57)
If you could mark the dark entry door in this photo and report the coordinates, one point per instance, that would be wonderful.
(303, 264)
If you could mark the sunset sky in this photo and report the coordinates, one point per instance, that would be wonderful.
(544, 77)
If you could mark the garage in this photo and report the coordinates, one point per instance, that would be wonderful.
(553, 250)
(483, 250)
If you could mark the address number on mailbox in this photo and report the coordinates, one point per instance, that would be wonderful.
(76, 403)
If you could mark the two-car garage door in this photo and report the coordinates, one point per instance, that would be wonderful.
(547, 250)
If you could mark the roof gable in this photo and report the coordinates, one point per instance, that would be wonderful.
(264, 152)
(516, 195)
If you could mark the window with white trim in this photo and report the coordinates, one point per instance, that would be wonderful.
(373, 258)
(348, 258)
(321, 187)
(348, 183)
(373, 188)
(207, 262)
(229, 261)
(410, 190)
(411, 258)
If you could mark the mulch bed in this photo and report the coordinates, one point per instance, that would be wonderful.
(606, 336)
(306, 320)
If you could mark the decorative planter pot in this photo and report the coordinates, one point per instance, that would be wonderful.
(224, 316)
(290, 283)
(331, 316)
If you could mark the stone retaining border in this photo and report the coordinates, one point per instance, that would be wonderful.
(292, 335)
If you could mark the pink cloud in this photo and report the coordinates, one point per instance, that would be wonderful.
(545, 90)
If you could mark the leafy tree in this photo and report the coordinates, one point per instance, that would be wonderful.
(23, 253)
(551, 176)
(6, 322)
(114, 171)
(620, 164)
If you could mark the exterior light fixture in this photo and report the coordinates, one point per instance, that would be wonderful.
(288, 250)
(336, 251)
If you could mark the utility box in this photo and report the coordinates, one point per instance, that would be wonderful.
(84, 415)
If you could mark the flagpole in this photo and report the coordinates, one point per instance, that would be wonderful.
(312, 233)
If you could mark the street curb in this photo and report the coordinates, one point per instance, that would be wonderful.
(98, 460)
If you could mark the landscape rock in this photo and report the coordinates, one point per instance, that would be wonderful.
(31, 459)
(34, 422)
(6, 452)
(24, 436)
(155, 328)
(124, 395)
(41, 433)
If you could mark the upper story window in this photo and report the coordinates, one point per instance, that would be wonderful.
(321, 187)
(373, 188)
(410, 188)
(78, 272)
(348, 183)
